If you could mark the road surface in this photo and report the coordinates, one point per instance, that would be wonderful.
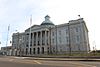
(21, 62)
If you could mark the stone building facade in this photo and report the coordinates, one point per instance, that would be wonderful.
(48, 38)
(6, 50)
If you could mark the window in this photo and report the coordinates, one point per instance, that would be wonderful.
(26, 50)
(26, 45)
(52, 33)
(42, 50)
(43, 43)
(53, 41)
(48, 50)
(38, 50)
(61, 48)
(67, 39)
(59, 32)
(30, 51)
(33, 50)
(53, 49)
(77, 30)
(34, 43)
(27, 37)
(77, 38)
(23, 38)
(66, 31)
(38, 43)
(60, 40)
(30, 44)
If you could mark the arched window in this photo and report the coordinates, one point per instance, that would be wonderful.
(38, 50)
(42, 50)
(30, 51)
(26, 51)
(33, 50)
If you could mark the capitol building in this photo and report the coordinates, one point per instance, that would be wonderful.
(48, 38)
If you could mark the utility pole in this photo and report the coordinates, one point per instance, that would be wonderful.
(7, 38)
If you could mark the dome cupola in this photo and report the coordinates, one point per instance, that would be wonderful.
(47, 21)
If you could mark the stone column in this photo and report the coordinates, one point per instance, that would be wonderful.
(48, 38)
(45, 38)
(41, 38)
(36, 38)
(36, 42)
(45, 41)
(41, 41)
(32, 42)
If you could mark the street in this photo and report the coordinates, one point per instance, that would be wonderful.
(21, 62)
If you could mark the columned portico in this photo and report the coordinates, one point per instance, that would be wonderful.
(40, 42)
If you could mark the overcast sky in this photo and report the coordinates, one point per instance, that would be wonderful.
(17, 14)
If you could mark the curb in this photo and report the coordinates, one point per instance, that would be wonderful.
(60, 59)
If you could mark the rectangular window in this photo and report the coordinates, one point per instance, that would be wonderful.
(26, 45)
(30, 51)
(43, 43)
(59, 32)
(38, 43)
(52, 33)
(77, 29)
(30, 44)
(60, 40)
(77, 38)
(66, 31)
(53, 41)
(34, 43)
(23, 38)
(33, 50)
(67, 39)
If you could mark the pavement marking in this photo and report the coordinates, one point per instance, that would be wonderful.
(24, 61)
(80, 64)
(37, 62)
(19, 57)
(20, 60)
(28, 61)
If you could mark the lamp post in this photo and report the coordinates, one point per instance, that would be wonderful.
(7, 38)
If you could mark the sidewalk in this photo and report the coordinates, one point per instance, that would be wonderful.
(57, 58)
(63, 59)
